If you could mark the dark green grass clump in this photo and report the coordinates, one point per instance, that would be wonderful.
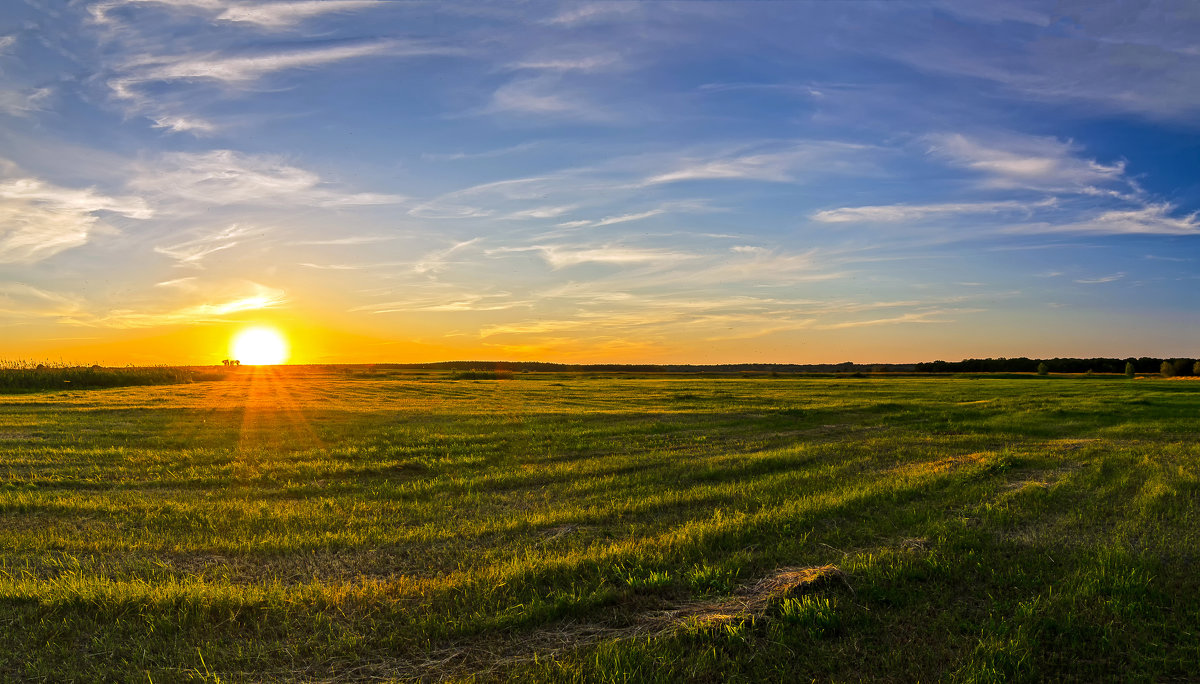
(28, 377)
(285, 526)
(480, 375)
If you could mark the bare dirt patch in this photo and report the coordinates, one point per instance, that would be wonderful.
(479, 659)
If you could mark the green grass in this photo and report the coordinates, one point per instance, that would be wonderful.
(307, 524)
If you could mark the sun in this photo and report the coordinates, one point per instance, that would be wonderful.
(259, 346)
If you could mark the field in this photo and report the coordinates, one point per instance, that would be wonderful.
(318, 524)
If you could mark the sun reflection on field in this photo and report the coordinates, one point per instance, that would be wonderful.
(272, 416)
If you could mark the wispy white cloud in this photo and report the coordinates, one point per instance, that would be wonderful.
(39, 219)
(437, 261)
(613, 183)
(782, 164)
(585, 63)
(661, 317)
(241, 70)
(1146, 219)
(1014, 161)
(1130, 59)
(894, 213)
(29, 233)
(137, 82)
(178, 302)
(279, 15)
(236, 298)
(558, 256)
(750, 263)
(266, 15)
(1151, 219)
(573, 224)
(764, 167)
(183, 124)
(330, 267)
(350, 240)
(328, 198)
(791, 88)
(187, 283)
(923, 317)
(1100, 279)
(102, 12)
(22, 301)
(450, 302)
(226, 177)
(594, 11)
(546, 212)
(73, 199)
(626, 218)
(493, 302)
(192, 252)
(465, 203)
(547, 96)
(24, 103)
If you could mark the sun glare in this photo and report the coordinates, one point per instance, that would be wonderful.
(259, 347)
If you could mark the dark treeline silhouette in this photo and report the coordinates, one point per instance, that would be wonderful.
(1145, 364)
(1022, 364)
(542, 366)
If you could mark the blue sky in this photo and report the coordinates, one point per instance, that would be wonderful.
(696, 182)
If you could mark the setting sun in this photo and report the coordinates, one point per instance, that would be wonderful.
(259, 346)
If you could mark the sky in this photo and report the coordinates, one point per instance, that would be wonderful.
(647, 182)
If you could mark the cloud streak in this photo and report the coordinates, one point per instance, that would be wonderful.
(24, 103)
(1027, 162)
(896, 213)
(1101, 279)
(253, 297)
(21, 301)
(784, 166)
(282, 15)
(192, 252)
(264, 15)
(226, 177)
(246, 69)
(40, 219)
(562, 257)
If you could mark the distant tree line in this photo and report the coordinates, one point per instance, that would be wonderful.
(1143, 365)
(1021, 364)
(543, 366)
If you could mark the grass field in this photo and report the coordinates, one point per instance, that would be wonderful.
(301, 524)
